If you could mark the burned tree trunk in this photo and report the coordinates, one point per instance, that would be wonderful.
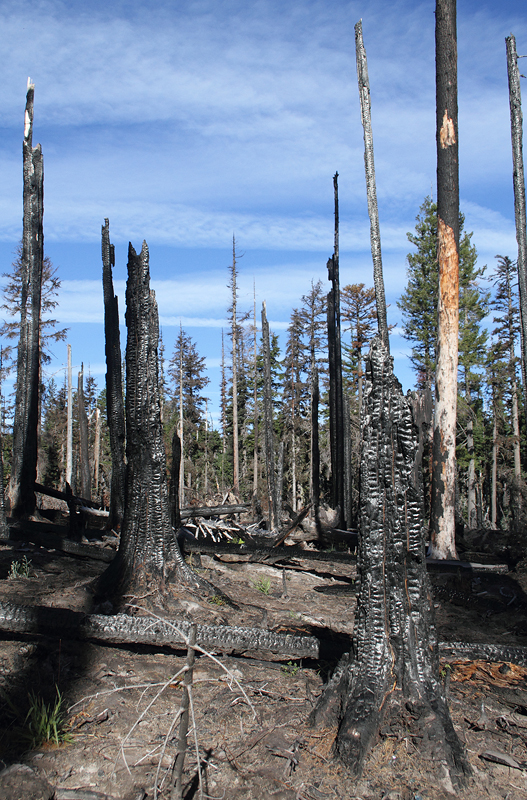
(518, 177)
(315, 445)
(114, 383)
(442, 523)
(268, 424)
(21, 495)
(148, 555)
(85, 487)
(393, 673)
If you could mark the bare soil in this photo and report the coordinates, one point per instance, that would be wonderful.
(250, 715)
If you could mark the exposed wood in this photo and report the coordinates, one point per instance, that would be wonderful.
(518, 179)
(271, 554)
(442, 523)
(395, 660)
(290, 528)
(124, 629)
(369, 164)
(114, 382)
(21, 497)
(214, 511)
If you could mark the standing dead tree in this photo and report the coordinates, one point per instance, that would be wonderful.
(442, 522)
(85, 477)
(518, 178)
(272, 488)
(393, 673)
(369, 164)
(21, 495)
(114, 383)
(148, 557)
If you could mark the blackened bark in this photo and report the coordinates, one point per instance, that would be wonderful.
(268, 423)
(369, 164)
(333, 429)
(395, 668)
(114, 383)
(85, 487)
(518, 178)
(442, 523)
(315, 447)
(21, 495)
(148, 555)
(174, 481)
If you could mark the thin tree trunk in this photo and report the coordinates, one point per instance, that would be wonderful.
(114, 382)
(21, 495)
(442, 526)
(69, 422)
(181, 429)
(255, 428)
(268, 423)
(315, 448)
(97, 451)
(518, 179)
(85, 487)
(494, 467)
(369, 164)
(234, 333)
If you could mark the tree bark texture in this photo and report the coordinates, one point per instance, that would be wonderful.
(518, 179)
(21, 496)
(315, 445)
(269, 429)
(442, 525)
(395, 672)
(114, 382)
(369, 164)
(85, 487)
(148, 553)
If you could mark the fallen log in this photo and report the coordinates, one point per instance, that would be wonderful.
(55, 539)
(260, 553)
(124, 629)
(79, 501)
(213, 511)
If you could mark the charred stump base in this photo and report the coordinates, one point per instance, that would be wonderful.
(149, 558)
(393, 672)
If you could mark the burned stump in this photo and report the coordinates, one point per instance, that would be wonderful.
(393, 670)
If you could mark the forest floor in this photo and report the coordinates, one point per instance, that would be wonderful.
(250, 715)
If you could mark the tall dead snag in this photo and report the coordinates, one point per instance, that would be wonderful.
(518, 178)
(336, 402)
(234, 339)
(392, 677)
(21, 494)
(148, 555)
(442, 523)
(114, 383)
(369, 165)
(85, 487)
(269, 426)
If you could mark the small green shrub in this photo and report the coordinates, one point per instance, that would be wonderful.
(19, 569)
(45, 723)
(290, 668)
(217, 600)
(263, 585)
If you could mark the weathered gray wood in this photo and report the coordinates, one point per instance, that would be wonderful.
(369, 164)
(518, 179)
(124, 629)
(214, 511)
(85, 478)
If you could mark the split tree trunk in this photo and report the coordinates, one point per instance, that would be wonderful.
(148, 556)
(518, 179)
(394, 671)
(114, 383)
(442, 523)
(21, 495)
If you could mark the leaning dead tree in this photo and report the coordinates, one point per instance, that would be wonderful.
(21, 496)
(392, 675)
(114, 383)
(518, 178)
(442, 522)
(369, 165)
(148, 557)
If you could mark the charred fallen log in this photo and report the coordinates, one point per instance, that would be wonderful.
(395, 661)
(214, 511)
(124, 629)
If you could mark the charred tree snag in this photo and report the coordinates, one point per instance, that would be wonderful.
(21, 495)
(85, 487)
(442, 522)
(274, 522)
(336, 416)
(393, 671)
(518, 177)
(369, 164)
(114, 383)
(148, 556)
(315, 445)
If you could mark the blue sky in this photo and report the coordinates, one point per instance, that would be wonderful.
(185, 122)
